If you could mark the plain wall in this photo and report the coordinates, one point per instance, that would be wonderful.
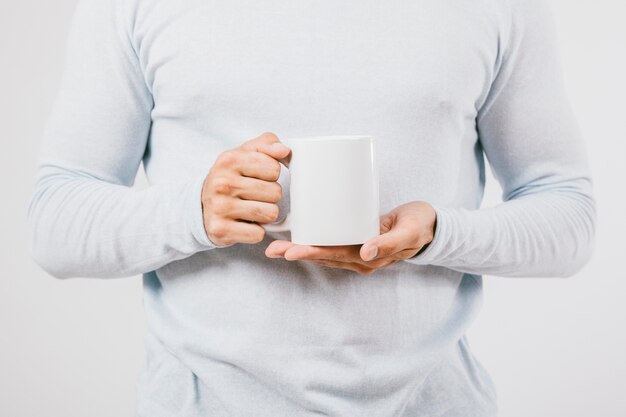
(555, 347)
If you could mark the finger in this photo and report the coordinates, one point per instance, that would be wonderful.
(387, 244)
(258, 165)
(278, 151)
(351, 266)
(228, 232)
(254, 211)
(248, 163)
(269, 144)
(277, 248)
(265, 138)
(338, 253)
(244, 232)
(258, 190)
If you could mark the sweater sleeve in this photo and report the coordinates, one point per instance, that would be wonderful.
(545, 225)
(84, 217)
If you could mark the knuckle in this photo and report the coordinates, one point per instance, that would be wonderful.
(222, 185)
(276, 170)
(277, 192)
(226, 241)
(266, 214)
(268, 137)
(217, 229)
(256, 212)
(273, 212)
(258, 234)
(227, 159)
(384, 248)
(273, 169)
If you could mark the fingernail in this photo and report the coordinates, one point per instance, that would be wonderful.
(372, 253)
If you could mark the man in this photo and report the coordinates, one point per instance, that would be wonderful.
(244, 323)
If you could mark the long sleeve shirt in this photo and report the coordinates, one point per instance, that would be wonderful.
(444, 86)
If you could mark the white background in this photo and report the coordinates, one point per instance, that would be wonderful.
(555, 347)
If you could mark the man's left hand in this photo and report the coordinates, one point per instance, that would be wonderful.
(404, 231)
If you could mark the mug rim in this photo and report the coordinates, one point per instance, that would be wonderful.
(328, 138)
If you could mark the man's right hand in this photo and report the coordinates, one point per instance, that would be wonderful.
(241, 191)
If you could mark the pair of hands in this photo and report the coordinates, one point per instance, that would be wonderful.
(241, 191)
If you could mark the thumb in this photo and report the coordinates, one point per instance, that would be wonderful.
(386, 244)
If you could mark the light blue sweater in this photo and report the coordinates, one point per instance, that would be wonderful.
(234, 333)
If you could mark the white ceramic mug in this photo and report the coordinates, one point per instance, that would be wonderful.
(333, 191)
